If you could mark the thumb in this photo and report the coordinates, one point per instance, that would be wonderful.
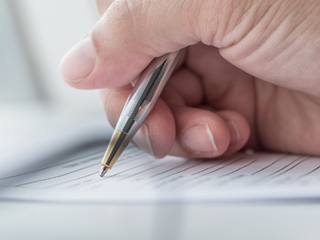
(132, 32)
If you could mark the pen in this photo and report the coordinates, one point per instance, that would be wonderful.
(140, 102)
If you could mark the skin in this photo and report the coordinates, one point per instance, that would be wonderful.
(249, 64)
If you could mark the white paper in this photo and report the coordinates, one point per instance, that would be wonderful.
(137, 177)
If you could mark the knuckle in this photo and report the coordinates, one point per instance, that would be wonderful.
(223, 23)
(215, 23)
(120, 18)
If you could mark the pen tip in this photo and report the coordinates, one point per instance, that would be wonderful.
(103, 171)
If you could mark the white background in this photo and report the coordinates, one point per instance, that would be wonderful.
(34, 100)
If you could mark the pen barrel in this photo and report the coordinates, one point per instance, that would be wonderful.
(146, 93)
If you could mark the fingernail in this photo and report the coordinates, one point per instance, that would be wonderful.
(142, 140)
(199, 139)
(79, 61)
(234, 133)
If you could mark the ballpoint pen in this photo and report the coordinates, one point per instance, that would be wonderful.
(139, 104)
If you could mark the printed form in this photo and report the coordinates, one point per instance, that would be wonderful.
(137, 177)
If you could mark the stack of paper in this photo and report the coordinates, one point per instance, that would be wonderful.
(137, 177)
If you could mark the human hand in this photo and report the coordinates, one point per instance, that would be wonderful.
(250, 76)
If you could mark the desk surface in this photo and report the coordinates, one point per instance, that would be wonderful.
(19, 220)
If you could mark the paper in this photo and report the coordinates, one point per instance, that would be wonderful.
(137, 177)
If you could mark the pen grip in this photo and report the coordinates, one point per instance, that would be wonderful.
(146, 93)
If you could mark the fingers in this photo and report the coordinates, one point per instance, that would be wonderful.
(128, 36)
(225, 87)
(200, 133)
(239, 130)
(203, 132)
(172, 127)
(188, 85)
(256, 36)
(131, 33)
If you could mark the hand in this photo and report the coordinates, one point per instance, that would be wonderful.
(250, 76)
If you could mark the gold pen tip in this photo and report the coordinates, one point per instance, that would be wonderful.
(103, 171)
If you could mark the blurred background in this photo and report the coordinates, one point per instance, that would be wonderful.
(34, 100)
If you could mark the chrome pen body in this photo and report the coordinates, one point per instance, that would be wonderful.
(139, 104)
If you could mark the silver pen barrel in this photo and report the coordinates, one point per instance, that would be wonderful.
(146, 93)
(139, 105)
